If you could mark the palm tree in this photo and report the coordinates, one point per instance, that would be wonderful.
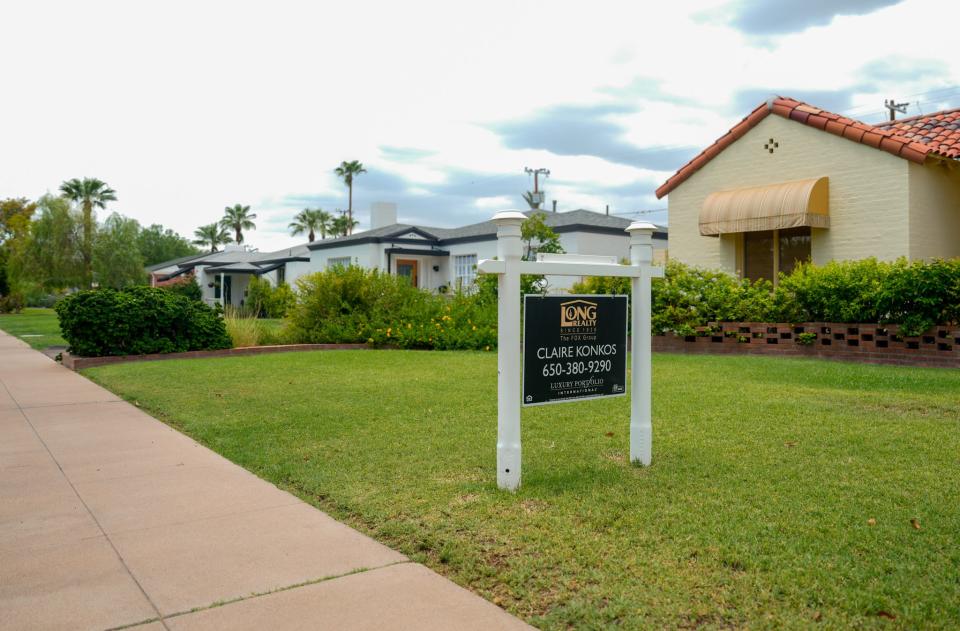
(213, 235)
(311, 221)
(238, 218)
(326, 223)
(347, 171)
(89, 193)
(342, 226)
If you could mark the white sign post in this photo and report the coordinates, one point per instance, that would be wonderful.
(509, 267)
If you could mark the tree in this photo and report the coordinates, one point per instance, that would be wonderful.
(238, 218)
(117, 261)
(212, 235)
(347, 171)
(89, 193)
(342, 226)
(49, 255)
(539, 236)
(157, 245)
(15, 214)
(528, 197)
(311, 221)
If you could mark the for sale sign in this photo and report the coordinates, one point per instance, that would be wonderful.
(574, 347)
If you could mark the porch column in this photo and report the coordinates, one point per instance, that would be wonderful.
(223, 291)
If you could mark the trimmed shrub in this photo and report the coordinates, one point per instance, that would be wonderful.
(138, 320)
(915, 295)
(353, 305)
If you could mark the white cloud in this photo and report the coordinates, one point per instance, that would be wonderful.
(187, 107)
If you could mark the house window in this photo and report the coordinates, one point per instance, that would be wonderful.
(281, 275)
(339, 261)
(769, 253)
(465, 270)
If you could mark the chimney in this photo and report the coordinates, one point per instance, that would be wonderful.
(608, 209)
(382, 214)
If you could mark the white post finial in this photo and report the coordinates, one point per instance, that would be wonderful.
(641, 427)
(509, 250)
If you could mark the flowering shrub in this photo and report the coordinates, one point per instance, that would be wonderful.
(354, 305)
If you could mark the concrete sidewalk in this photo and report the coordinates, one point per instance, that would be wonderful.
(109, 518)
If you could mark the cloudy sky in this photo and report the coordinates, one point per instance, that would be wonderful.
(185, 108)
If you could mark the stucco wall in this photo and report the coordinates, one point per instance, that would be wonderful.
(935, 211)
(868, 194)
(296, 269)
(365, 255)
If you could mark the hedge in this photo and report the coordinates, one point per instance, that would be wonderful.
(915, 295)
(138, 320)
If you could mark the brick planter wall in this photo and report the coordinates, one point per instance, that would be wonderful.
(868, 343)
(74, 362)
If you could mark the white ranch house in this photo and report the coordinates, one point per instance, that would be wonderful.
(436, 259)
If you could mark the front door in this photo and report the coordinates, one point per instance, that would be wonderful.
(408, 269)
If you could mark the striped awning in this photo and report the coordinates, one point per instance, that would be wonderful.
(771, 207)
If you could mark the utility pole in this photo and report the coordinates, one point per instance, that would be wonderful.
(894, 107)
(537, 195)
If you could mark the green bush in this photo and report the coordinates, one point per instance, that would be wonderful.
(187, 287)
(138, 320)
(353, 305)
(268, 301)
(914, 295)
(688, 297)
(11, 303)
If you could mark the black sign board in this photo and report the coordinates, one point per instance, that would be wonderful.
(574, 347)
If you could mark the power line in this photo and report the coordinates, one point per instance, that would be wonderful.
(648, 211)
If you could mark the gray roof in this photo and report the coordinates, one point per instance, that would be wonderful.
(235, 268)
(569, 221)
(182, 259)
(237, 260)
(297, 251)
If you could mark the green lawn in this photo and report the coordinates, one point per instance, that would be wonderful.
(37, 327)
(781, 492)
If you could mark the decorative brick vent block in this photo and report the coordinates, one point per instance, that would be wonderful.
(867, 343)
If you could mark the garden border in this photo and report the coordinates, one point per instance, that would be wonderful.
(866, 343)
(74, 362)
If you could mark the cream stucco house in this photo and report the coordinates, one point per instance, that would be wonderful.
(792, 182)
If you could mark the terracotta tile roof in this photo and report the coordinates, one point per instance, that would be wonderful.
(940, 130)
(910, 138)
